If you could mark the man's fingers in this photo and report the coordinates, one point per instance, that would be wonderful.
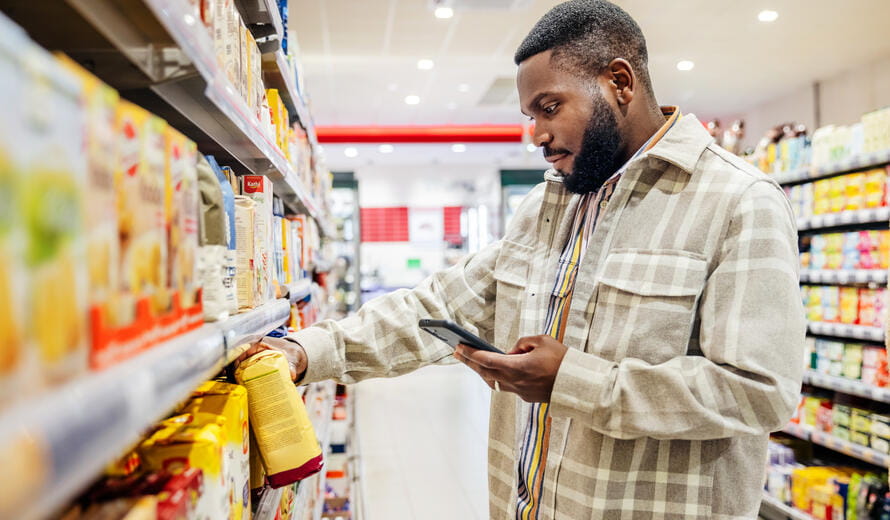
(484, 358)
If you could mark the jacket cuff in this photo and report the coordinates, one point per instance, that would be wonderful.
(321, 355)
(582, 382)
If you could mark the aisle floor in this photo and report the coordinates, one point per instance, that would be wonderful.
(423, 440)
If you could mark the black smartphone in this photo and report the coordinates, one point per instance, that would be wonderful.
(452, 333)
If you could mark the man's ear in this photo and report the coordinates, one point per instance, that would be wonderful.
(622, 81)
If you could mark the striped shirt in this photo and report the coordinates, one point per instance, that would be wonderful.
(535, 442)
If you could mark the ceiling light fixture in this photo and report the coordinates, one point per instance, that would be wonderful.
(425, 64)
(531, 147)
(444, 12)
(685, 65)
(458, 148)
(386, 148)
(350, 152)
(463, 87)
(412, 100)
(767, 16)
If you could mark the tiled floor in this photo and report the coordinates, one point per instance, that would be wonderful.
(423, 441)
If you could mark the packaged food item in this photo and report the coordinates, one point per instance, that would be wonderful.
(855, 191)
(830, 303)
(245, 215)
(230, 402)
(138, 508)
(17, 363)
(852, 361)
(860, 421)
(230, 254)
(259, 189)
(51, 208)
(285, 438)
(836, 190)
(179, 444)
(182, 203)
(233, 45)
(867, 314)
(213, 237)
(100, 103)
(875, 188)
(849, 305)
(822, 197)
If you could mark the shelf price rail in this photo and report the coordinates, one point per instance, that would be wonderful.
(57, 443)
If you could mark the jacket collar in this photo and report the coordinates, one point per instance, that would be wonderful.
(683, 144)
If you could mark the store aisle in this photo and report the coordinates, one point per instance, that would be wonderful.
(423, 441)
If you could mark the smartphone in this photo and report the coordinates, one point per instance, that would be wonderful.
(452, 333)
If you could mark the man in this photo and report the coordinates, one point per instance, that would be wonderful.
(649, 289)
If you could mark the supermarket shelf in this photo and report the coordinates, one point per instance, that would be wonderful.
(841, 330)
(844, 218)
(299, 291)
(841, 446)
(773, 504)
(264, 20)
(847, 386)
(278, 74)
(843, 277)
(159, 55)
(81, 426)
(245, 328)
(851, 164)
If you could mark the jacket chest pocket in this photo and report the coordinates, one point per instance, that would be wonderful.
(646, 304)
(511, 274)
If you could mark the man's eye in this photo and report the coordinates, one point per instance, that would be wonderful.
(549, 109)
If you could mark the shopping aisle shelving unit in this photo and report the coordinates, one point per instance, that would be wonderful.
(847, 386)
(82, 426)
(842, 330)
(844, 218)
(774, 505)
(843, 277)
(179, 79)
(850, 220)
(851, 164)
(848, 448)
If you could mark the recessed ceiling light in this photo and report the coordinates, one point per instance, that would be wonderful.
(685, 65)
(452, 106)
(458, 148)
(444, 12)
(392, 87)
(386, 148)
(350, 152)
(531, 147)
(767, 16)
(463, 87)
(425, 64)
(412, 99)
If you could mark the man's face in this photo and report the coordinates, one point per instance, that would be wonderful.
(574, 123)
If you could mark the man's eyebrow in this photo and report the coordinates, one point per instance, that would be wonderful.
(535, 101)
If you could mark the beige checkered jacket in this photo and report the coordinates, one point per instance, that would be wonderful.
(686, 337)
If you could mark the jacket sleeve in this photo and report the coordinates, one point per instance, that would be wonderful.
(383, 340)
(752, 338)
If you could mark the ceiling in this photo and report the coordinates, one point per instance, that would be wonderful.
(359, 57)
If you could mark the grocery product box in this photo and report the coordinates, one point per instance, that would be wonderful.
(51, 208)
(217, 399)
(183, 207)
(178, 444)
(259, 189)
(246, 278)
(876, 188)
(860, 421)
(17, 360)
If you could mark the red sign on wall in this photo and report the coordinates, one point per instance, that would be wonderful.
(451, 218)
(384, 224)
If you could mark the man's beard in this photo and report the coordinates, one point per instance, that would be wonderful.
(599, 157)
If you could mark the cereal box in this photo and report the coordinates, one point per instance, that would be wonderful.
(259, 189)
(182, 207)
(51, 205)
(245, 216)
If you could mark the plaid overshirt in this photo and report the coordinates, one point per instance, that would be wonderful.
(685, 334)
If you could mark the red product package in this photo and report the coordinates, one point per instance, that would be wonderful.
(824, 417)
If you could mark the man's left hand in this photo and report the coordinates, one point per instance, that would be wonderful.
(529, 370)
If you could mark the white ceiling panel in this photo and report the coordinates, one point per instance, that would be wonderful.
(360, 57)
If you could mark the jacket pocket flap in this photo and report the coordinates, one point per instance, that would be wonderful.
(512, 264)
(655, 272)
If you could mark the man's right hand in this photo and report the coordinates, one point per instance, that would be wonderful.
(296, 356)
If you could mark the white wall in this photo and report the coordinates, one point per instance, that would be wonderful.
(422, 186)
(843, 99)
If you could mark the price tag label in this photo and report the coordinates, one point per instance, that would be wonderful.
(847, 217)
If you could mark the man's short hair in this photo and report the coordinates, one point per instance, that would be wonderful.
(585, 36)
